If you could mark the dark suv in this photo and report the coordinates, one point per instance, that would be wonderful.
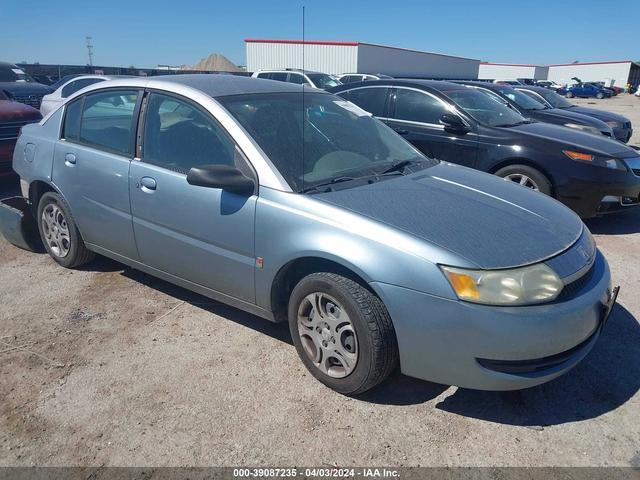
(20, 86)
(591, 174)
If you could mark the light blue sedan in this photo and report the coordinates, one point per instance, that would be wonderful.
(301, 207)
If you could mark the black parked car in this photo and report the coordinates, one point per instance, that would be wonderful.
(540, 110)
(21, 87)
(622, 128)
(589, 173)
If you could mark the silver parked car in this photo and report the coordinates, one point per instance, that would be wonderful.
(306, 209)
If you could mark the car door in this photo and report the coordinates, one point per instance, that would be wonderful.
(91, 166)
(415, 114)
(203, 235)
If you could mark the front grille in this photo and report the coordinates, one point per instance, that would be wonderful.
(626, 124)
(33, 100)
(636, 171)
(10, 131)
(572, 289)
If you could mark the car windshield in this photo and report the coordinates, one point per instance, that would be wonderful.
(14, 74)
(322, 80)
(520, 99)
(556, 100)
(486, 108)
(339, 140)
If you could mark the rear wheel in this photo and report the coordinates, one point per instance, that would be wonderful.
(59, 233)
(342, 332)
(526, 176)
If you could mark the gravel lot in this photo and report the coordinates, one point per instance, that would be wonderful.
(109, 366)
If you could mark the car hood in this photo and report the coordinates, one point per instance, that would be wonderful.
(575, 139)
(11, 111)
(25, 88)
(594, 112)
(568, 116)
(482, 218)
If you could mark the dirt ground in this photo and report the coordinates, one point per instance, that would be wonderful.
(109, 366)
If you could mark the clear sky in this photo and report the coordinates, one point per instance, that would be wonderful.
(145, 33)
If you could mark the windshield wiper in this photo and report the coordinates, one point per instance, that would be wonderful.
(398, 166)
(524, 122)
(317, 186)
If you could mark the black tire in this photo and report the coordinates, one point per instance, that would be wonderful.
(377, 349)
(77, 254)
(600, 95)
(569, 95)
(542, 182)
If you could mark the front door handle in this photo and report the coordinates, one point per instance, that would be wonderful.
(401, 131)
(69, 159)
(148, 184)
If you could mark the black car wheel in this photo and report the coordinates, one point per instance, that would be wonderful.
(600, 95)
(342, 332)
(526, 176)
(59, 233)
(569, 95)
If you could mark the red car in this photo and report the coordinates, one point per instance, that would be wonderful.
(13, 116)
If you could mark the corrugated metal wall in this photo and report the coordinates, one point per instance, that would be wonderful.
(490, 71)
(322, 58)
(618, 73)
(409, 63)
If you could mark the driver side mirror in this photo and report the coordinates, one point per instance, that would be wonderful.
(453, 123)
(225, 177)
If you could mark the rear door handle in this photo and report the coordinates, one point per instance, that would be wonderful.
(401, 131)
(148, 184)
(69, 159)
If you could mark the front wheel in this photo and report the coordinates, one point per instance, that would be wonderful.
(342, 332)
(526, 176)
(600, 95)
(59, 233)
(569, 95)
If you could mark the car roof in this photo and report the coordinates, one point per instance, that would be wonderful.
(287, 70)
(214, 85)
(533, 88)
(439, 85)
(7, 64)
(488, 85)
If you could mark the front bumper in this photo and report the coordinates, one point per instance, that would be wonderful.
(447, 341)
(592, 195)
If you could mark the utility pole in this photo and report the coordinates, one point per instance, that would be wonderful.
(90, 50)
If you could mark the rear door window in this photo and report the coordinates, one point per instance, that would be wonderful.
(107, 120)
(279, 76)
(71, 126)
(296, 78)
(372, 99)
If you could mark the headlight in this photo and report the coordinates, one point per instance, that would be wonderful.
(584, 128)
(614, 124)
(612, 163)
(518, 286)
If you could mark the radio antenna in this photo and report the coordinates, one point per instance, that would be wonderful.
(303, 89)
